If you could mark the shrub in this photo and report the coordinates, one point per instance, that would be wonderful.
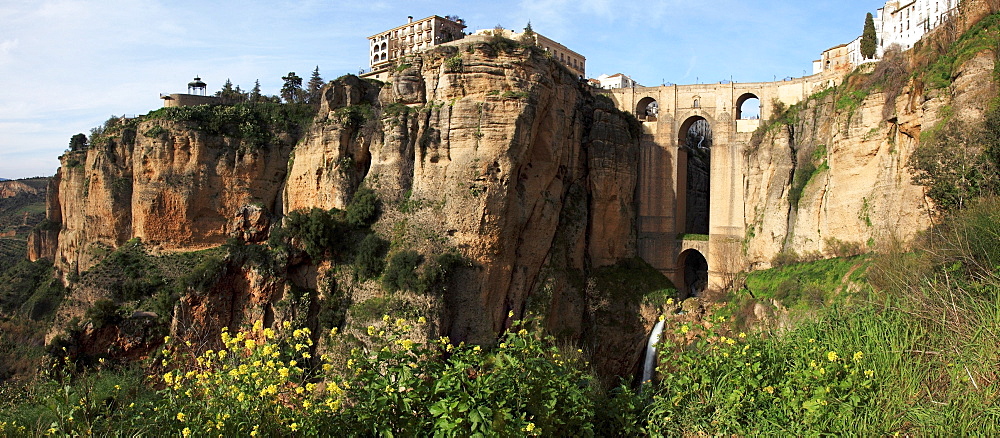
(401, 272)
(104, 312)
(318, 231)
(363, 210)
(453, 64)
(435, 276)
(369, 260)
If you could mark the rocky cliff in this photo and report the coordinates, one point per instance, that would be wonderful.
(491, 150)
(833, 175)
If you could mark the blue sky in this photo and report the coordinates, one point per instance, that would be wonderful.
(67, 65)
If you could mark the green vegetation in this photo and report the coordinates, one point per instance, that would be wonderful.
(958, 160)
(633, 280)
(805, 172)
(257, 124)
(869, 39)
(453, 64)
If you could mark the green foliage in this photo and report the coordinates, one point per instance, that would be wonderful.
(364, 208)
(805, 172)
(155, 131)
(78, 142)
(523, 387)
(258, 124)
(353, 117)
(291, 90)
(369, 261)
(314, 87)
(104, 312)
(401, 272)
(941, 61)
(29, 290)
(958, 162)
(869, 42)
(129, 273)
(318, 231)
(453, 64)
(812, 281)
(439, 269)
(402, 67)
(741, 385)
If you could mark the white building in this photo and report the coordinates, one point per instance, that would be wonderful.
(898, 22)
(616, 80)
(414, 36)
(905, 22)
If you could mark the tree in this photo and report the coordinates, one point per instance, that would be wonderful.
(314, 87)
(528, 36)
(255, 92)
(868, 39)
(292, 92)
(78, 142)
(230, 95)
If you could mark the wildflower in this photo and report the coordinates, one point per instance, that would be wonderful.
(869, 373)
(769, 389)
(250, 343)
(180, 416)
(166, 339)
(286, 325)
(294, 427)
(371, 330)
(832, 356)
(743, 335)
(510, 314)
(422, 320)
(186, 431)
(530, 427)
(858, 356)
(684, 329)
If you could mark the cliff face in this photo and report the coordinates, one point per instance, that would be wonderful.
(835, 178)
(173, 186)
(491, 150)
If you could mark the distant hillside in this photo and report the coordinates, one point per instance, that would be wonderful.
(22, 206)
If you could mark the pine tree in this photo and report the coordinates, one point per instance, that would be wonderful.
(291, 91)
(528, 36)
(314, 87)
(255, 92)
(868, 38)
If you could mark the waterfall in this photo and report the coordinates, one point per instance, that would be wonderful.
(650, 363)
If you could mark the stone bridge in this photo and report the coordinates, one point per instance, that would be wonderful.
(692, 219)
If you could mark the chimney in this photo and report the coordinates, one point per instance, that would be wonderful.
(409, 19)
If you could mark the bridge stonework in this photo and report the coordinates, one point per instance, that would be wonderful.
(664, 241)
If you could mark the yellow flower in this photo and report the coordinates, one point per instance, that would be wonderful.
(832, 356)
(186, 431)
(743, 335)
(858, 356)
(670, 301)
(166, 339)
(869, 373)
(684, 329)
(294, 427)
(250, 343)
(180, 416)
(769, 389)
(530, 427)
(286, 325)
(422, 320)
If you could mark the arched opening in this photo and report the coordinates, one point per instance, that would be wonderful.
(694, 158)
(696, 103)
(693, 270)
(647, 109)
(384, 46)
(748, 107)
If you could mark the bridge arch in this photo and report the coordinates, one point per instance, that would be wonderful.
(692, 273)
(748, 107)
(647, 109)
(694, 175)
